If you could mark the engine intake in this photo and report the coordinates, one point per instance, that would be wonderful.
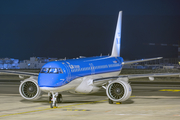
(29, 89)
(118, 90)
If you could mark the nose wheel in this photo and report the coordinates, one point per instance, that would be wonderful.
(53, 105)
(50, 97)
(54, 98)
(59, 98)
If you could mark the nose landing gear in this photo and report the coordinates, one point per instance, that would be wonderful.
(59, 98)
(54, 98)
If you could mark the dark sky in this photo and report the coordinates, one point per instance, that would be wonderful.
(72, 28)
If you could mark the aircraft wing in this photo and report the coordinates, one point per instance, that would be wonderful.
(18, 73)
(141, 60)
(102, 81)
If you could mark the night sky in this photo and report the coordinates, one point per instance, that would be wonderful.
(72, 28)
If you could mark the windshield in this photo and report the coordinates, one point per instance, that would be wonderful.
(60, 70)
(45, 70)
(51, 70)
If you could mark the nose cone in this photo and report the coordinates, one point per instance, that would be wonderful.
(52, 78)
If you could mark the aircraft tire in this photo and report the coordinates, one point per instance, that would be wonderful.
(110, 101)
(51, 105)
(59, 98)
(50, 97)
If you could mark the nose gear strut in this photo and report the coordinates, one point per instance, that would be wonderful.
(54, 98)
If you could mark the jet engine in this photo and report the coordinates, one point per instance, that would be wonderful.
(118, 90)
(29, 89)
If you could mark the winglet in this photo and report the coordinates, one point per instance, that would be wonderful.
(117, 38)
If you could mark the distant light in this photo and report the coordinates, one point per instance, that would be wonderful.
(151, 43)
(175, 45)
(163, 44)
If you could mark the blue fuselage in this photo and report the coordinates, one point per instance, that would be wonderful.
(60, 73)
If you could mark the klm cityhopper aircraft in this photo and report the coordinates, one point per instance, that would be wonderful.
(84, 75)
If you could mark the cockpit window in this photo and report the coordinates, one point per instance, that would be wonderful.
(53, 70)
(45, 70)
(60, 70)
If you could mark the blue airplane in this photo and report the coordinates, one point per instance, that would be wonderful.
(84, 76)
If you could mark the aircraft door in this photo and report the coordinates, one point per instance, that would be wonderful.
(92, 68)
(68, 72)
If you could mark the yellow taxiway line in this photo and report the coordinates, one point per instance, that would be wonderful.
(170, 90)
(52, 108)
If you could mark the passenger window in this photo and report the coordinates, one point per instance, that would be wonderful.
(53, 70)
(60, 70)
(44, 70)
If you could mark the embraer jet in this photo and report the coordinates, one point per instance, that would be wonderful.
(84, 76)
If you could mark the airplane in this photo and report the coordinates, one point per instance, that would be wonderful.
(84, 76)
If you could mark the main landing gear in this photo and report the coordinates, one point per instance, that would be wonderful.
(111, 102)
(54, 98)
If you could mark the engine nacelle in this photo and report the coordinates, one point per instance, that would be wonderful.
(29, 89)
(118, 90)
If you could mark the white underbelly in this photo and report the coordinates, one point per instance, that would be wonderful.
(71, 86)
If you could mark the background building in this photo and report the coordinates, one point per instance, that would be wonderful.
(35, 62)
(9, 63)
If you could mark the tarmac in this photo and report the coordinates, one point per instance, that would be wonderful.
(149, 100)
